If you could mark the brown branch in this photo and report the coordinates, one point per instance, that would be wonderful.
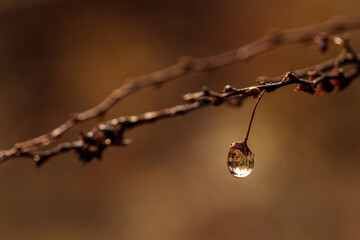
(92, 144)
(315, 73)
(188, 65)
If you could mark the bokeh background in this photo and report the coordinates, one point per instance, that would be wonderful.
(59, 57)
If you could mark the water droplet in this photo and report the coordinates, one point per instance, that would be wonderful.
(240, 160)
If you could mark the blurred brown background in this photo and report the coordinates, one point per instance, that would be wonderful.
(59, 57)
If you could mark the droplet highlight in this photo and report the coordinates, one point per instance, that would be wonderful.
(240, 160)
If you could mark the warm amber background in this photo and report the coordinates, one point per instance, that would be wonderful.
(59, 57)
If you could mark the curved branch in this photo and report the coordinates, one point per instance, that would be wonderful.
(93, 143)
(187, 65)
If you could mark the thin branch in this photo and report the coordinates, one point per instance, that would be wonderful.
(93, 143)
(315, 73)
(252, 116)
(188, 65)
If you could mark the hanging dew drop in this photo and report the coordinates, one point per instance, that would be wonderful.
(239, 165)
(240, 160)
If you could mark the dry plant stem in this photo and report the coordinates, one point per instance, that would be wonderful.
(91, 144)
(252, 115)
(270, 84)
(196, 100)
(186, 65)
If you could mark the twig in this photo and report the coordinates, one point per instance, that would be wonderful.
(187, 65)
(252, 116)
(92, 144)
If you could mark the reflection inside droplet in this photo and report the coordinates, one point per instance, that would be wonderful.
(240, 160)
